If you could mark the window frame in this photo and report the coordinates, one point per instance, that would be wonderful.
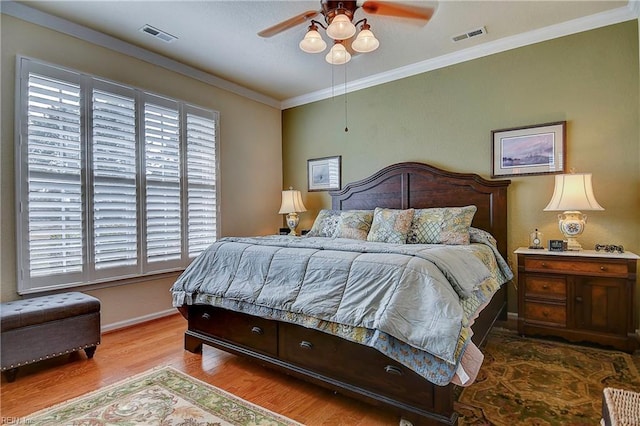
(90, 275)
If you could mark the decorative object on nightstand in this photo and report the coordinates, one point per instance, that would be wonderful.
(578, 295)
(572, 193)
(292, 205)
(535, 240)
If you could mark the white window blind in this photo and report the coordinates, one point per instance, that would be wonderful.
(162, 158)
(201, 206)
(112, 182)
(54, 171)
(115, 239)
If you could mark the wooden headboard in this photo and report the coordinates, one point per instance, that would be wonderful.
(418, 185)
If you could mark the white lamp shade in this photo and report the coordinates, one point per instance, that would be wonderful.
(313, 42)
(292, 202)
(573, 192)
(338, 55)
(341, 28)
(365, 42)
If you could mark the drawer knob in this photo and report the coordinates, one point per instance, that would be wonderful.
(206, 316)
(392, 369)
(544, 265)
(579, 299)
(256, 330)
(603, 268)
(545, 314)
(306, 345)
(545, 286)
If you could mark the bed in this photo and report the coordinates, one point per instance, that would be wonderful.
(375, 358)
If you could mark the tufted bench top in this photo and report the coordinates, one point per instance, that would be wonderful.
(38, 310)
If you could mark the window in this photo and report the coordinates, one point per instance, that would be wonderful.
(112, 182)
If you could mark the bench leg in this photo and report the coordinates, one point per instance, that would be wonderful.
(10, 374)
(90, 351)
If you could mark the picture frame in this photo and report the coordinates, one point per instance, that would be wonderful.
(324, 174)
(531, 150)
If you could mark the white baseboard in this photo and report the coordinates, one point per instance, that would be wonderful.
(137, 320)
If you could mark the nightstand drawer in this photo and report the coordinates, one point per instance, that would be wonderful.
(597, 267)
(545, 287)
(546, 313)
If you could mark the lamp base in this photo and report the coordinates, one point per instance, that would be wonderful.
(292, 223)
(571, 224)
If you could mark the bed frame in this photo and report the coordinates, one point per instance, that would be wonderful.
(348, 368)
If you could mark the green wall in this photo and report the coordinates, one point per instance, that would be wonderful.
(444, 117)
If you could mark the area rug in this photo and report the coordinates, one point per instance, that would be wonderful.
(530, 381)
(163, 397)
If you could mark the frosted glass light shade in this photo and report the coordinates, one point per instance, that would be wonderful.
(341, 28)
(338, 55)
(313, 42)
(365, 42)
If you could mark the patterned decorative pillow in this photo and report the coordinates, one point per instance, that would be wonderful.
(354, 224)
(390, 225)
(326, 224)
(445, 225)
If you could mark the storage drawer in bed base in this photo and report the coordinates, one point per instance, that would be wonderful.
(411, 397)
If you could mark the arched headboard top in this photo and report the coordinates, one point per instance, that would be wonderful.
(418, 185)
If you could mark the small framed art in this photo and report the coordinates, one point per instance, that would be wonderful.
(323, 174)
(531, 150)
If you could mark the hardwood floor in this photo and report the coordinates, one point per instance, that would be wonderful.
(133, 350)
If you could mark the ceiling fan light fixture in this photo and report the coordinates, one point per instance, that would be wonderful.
(313, 42)
(365, 42)
(338, 55)
(341, 27)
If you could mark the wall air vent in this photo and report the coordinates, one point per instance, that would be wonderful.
(159, 34)
(469, 34)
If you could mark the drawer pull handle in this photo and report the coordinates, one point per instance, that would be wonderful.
(579, 299)
(603, 268)
(206, 316)
(393, 370)
(546, 286)
(256, 330)
(544, 265)
(306, 345)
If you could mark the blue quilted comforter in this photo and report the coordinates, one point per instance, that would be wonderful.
(408, 296)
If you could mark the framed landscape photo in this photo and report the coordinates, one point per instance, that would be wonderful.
(531, 150)
(324, 173)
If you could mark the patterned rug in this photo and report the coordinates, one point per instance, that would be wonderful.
(164, 397)
(527, 381)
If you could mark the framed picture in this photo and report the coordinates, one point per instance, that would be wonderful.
(323, 174)
(531, 150)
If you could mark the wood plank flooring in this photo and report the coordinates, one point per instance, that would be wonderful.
(133, 350)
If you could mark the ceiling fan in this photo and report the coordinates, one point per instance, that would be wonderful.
(338, 17)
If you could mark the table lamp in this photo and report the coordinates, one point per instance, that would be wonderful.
(572, 193)
(292, 205)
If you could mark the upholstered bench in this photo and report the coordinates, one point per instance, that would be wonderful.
(44, 327)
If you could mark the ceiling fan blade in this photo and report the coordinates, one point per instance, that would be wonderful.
(399, 10)
(289, 23)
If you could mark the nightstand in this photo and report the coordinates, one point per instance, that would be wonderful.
(578, 295)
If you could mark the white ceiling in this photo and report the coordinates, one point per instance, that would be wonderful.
(220, 38)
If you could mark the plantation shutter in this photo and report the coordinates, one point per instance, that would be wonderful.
(162, 166)
(115, 239)
(54, 208)
(112, 182)
(201, 178)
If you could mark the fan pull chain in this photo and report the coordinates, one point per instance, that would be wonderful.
(346, 119)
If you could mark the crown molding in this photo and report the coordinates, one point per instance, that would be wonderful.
(34, 16)
(611, 17)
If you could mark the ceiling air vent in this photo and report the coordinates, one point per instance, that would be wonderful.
(166, 37)
(469, 34)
